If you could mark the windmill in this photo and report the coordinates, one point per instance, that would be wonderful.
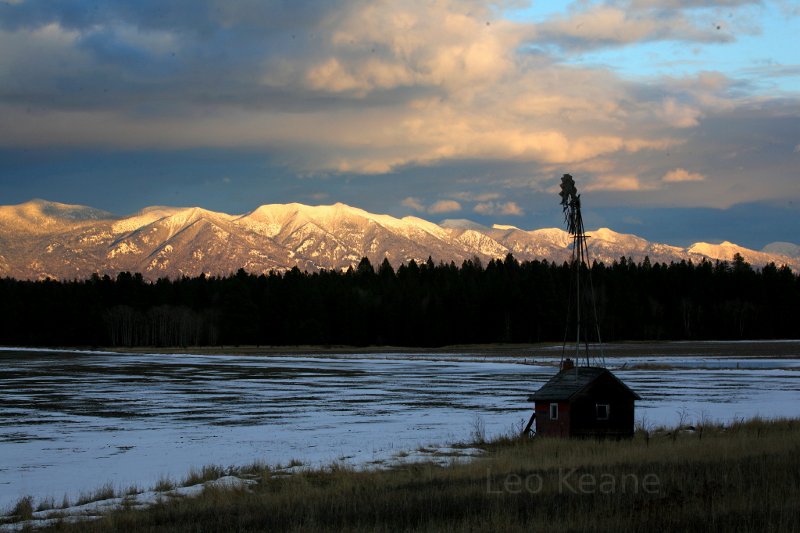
(583, 399)
(581, 308)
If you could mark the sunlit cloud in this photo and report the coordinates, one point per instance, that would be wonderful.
(459, 89)
(444, 206)
(615, 183)
(681, 175)
(413, 203)
(473, 197)
(679, 115)
(387, 90)
(498, 208)
(438, 207)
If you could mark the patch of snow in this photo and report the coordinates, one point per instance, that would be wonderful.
(482, 243)
(96, 509)
(123, 248)
(555, 236)
(462, 223)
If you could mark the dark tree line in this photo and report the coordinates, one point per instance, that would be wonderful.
(416, 305)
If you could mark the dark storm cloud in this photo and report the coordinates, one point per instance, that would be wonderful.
(197, 17)
(141, 56)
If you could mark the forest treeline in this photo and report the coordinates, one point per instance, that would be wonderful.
(416, 305)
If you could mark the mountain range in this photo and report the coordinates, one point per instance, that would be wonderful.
(40, 239)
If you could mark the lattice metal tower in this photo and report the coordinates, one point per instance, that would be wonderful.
(581, 294)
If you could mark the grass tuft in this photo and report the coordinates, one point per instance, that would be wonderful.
(164, 484)
(23, 509)
(207, 473)
(46, 504)
(106, 492)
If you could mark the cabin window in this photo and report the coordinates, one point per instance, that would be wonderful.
(553, 411)
(603, 410)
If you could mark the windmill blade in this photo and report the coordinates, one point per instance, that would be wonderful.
(571, 202)
(568, 190)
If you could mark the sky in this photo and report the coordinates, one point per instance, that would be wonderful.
(679, 119)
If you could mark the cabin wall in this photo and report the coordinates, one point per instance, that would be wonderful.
(553, 428)
(584, 420)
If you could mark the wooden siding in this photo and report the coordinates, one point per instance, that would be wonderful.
(553, 428)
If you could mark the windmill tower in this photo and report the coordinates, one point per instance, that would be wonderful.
(581, 308)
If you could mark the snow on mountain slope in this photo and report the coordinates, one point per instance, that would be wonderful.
(40, 239)
(607, 245)
(481, 243)
(337, 236)
(551, 244)
(41, 216)
(144, 217)
(553, 236)
(726, 251)
(461, 224)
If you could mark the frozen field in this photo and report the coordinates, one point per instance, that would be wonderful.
(71, 422)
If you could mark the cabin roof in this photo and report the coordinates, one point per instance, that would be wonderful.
(568, 383)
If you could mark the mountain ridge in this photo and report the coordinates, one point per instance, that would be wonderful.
(40, 239)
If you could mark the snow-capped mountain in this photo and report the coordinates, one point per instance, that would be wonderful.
(41, 239)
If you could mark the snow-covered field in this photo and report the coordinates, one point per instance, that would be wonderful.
(71, 422)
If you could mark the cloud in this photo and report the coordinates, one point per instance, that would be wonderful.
(621, 23)
(678, 115)
(444, 206)
(501, 208)
(638, 4)
(615, 183)
(605, 25)
(681, 175)
(349, 87)
(440, 206)
(413, 203)
(476, 197)
(511, 208)
(357, 89)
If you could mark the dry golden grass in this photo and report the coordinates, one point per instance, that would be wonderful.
(745, 477)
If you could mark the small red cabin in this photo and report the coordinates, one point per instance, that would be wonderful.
(584, 401)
